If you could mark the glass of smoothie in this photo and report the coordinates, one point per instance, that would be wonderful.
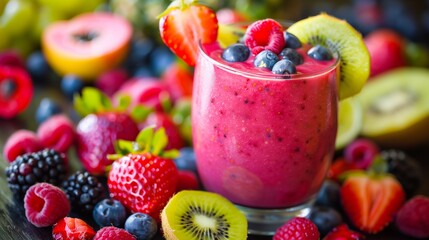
(262, 140)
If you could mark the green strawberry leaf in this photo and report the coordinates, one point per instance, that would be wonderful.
(378, 167)
(80, 106)
(140, 112)
(166, 102)
(124, 101)
(124, 147)
(171, 154)
(177, 4)
(160, 141)
(92, 101)
(144, 138)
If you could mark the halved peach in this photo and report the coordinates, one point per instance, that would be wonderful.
(87, 45)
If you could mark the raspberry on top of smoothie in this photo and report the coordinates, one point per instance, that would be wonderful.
(267, 47)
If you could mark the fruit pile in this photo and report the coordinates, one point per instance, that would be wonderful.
(133, 98)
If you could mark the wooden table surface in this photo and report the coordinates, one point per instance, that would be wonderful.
(13, 223)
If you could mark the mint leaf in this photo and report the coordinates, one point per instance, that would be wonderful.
(165, 101)
(80, 106)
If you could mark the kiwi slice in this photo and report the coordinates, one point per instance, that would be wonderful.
(202, 215)
(342, 38)
(350, 118)
(396, 108)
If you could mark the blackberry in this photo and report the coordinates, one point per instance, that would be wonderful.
(84, 191)
(28, 169)
(405, 168)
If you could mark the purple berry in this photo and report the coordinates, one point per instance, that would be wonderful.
(361, 152)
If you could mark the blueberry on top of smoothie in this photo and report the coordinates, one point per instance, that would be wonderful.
(266, 59)
(291, 40)
(319, 52)
(236, 53)
(284, 66)
(292, 55)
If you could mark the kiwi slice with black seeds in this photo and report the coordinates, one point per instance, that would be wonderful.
(200, 215)
(340, 37)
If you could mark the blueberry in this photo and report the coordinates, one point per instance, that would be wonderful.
(319, 52)
(292, 55)
(38, 67)
(71, 84)
(291, 40)
(266, 59)
(236, 53)
(139, 54)
(284, 66)
(109, 212)
(47, 108)
(143, 71)
(325, 218)
(141, 225)
(186, 159)
(160, 59)
(329, 194)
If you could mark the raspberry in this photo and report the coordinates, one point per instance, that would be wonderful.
(413, 218)
(109, 82)
(108, 233)
(72, 229)
(297, 228)
(21, 142)
(58, 132)
(47, 165)
(83, 190)
(45, 204)
(187, 180)
(361, 152)
(265, 34)
(11, 58)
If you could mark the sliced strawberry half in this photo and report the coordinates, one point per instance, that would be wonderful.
(371, 201)
(184, 25)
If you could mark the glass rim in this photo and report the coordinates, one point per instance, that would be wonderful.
(269, 76)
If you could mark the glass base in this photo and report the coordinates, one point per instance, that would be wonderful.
(266, 221)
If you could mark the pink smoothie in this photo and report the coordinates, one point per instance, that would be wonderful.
(262, 140)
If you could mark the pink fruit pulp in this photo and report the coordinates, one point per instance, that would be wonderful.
(263, 141)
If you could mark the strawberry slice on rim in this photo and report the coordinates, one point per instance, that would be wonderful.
(184, 25)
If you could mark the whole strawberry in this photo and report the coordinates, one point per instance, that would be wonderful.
(97, 132)
(145, 178)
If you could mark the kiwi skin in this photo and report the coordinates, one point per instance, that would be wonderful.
(340, 37)
(170, 214)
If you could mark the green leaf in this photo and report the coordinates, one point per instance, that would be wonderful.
(171, 154)
(144, 138)
(166, 102)
(124, 147)
(140, 112)
(160, 141)
(95, 100)
(80, 106)
(124, 101)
